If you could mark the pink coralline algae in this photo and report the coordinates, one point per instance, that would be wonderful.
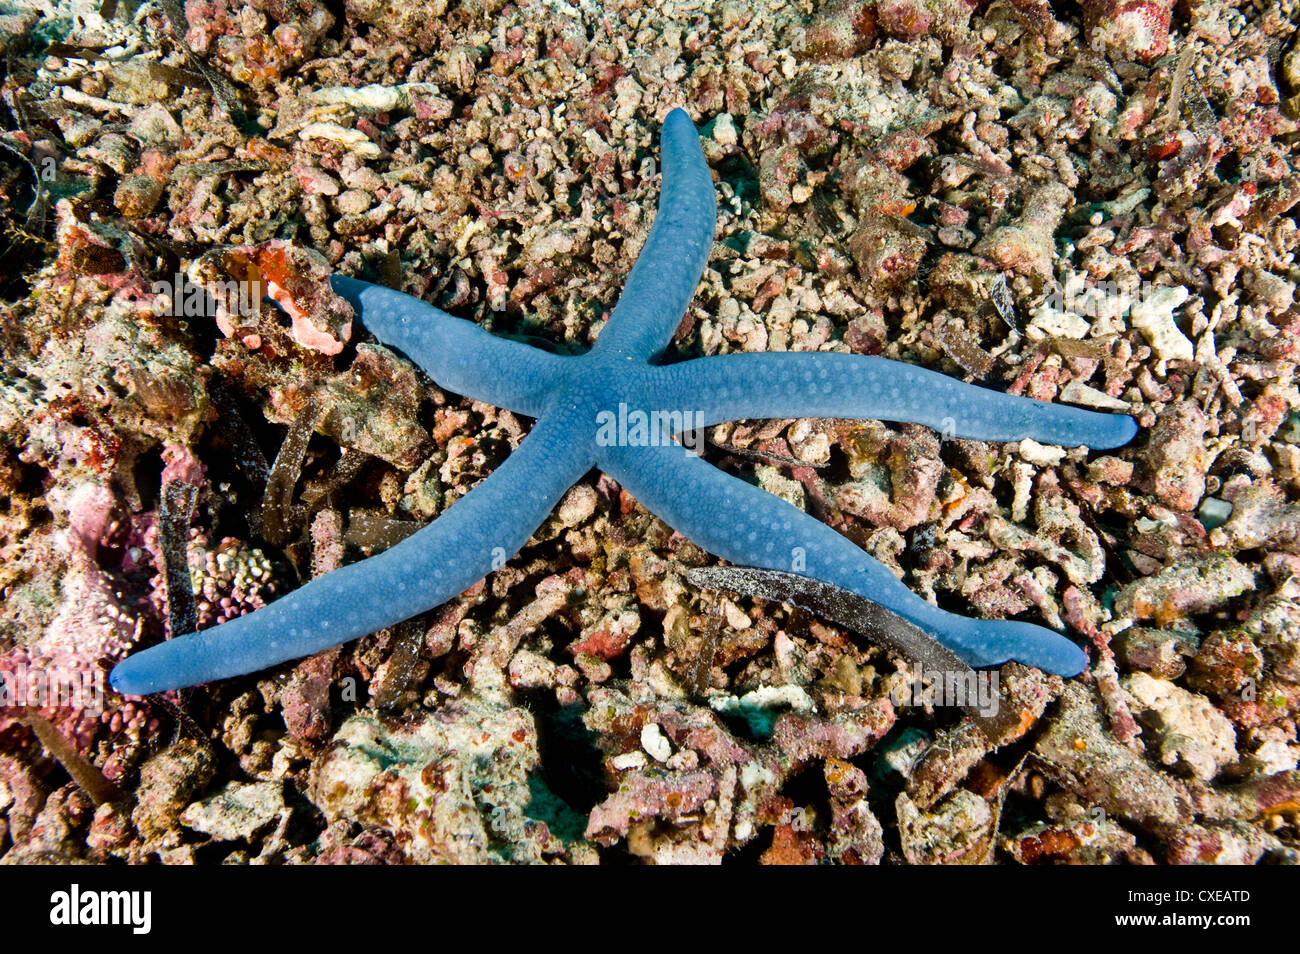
(1131, 29)
(241, 37)
(93, 627)
(844, 28)
(910, 19)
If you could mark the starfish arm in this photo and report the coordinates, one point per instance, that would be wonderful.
(470, 540)
(819, 384)
(749, 526)
(668, 270)
(456, 353)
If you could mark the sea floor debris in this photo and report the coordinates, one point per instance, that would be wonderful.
(1066, 204)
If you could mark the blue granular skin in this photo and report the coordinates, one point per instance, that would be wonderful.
(580, 403)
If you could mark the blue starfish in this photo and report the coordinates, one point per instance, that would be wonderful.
(616, 408)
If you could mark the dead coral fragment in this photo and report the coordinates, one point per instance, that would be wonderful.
(839, 29)
(1261, 517)
(168, 782)
(1154, 317)
(856, 836)
(296, 279)
(1197, 586)
(1029, 247)
(959, 831)
(714, 792)
(1190, 733)
(1080, 754)
(451, 786)
(1163, 653)
(896, 475)
(1229, 843)
(1176, 457)
(238, 812)
(1058, 520)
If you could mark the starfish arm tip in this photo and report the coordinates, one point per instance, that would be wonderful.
(678, 121)
(137, 676)
(457, 354)
(993, 642)
(1127, 429)
(667, 270)
(1071, 426)
(1108, 431)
